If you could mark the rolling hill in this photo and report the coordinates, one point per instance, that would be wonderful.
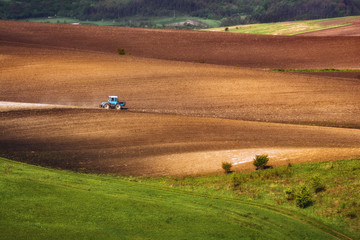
(79, 66)
(195, 100)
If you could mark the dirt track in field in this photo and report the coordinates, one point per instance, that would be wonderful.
(189, 134)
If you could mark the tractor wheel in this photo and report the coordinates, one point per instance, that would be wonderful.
(107, 106)
(118, 107)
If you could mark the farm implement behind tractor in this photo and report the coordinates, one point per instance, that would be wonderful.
(113, 103)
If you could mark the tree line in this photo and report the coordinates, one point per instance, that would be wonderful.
(231, 12)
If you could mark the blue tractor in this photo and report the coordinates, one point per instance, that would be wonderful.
(112, 103)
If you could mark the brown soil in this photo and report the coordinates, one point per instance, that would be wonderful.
(187, 134)
(76, 78)
(258, 51)
(351, 75)
(156, 144)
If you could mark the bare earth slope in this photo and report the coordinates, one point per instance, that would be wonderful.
(155, 144)
(218, 48)
(173, 124)
(77, 78)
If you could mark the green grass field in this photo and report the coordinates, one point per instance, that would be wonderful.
(40, 203)
(64, 20)
(280, 28)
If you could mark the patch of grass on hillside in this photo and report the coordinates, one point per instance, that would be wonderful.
(292, 28)
(51, 204)
(64, 20)
(335, 189)
(282, 28)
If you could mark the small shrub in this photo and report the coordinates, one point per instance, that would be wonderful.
(226, 29)
(317, 184)
(260, 161)
(278, 70)
(290, 194)
(351, 215)
(303, 197)
(227, 167)
(121, 51)
(238, 181)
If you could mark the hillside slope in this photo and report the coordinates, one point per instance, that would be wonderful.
(78, 66)
(42, 203)
(193, 142)
(215, 48)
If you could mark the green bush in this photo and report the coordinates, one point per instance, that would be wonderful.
(290, 194)
(317, 184)
(260, 161)
(121, 51)
(238, 181)
(227, 167)
(351, 215)
(303, 197)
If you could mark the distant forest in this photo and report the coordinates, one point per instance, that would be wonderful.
(230, 12)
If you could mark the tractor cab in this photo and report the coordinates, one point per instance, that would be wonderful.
(113, 100)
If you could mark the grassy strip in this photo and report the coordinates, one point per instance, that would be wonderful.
(64, 20)
(315, 70)
(45, 203)
(289, 29)
(282, 28)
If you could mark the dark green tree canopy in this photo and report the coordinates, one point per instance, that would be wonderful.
(230, 11)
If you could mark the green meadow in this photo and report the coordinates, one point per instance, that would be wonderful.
(41, 203)
(65, 20)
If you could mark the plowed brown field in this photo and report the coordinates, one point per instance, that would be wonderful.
(155, 144)
(258, 51)
(183, 117)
